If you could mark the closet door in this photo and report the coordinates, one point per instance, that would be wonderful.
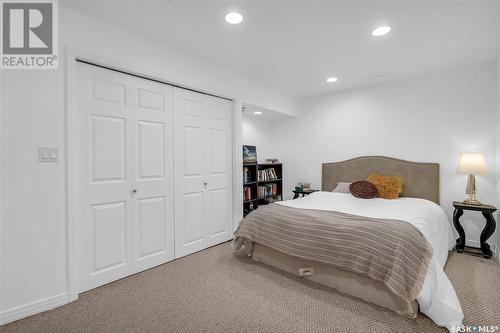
(126, 175)
(218, 170)
(203, 173)
(152, 194)
(104, 220)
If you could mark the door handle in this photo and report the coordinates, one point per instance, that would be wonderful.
(134, 191)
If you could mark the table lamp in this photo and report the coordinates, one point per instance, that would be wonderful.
(472, 164)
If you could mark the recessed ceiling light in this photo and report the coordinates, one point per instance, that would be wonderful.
(332, 79)
(234, 18)
(380, 31)
(257, 112)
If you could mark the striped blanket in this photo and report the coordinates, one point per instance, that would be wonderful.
(391, 251)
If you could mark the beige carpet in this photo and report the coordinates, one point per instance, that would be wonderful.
(217, 291)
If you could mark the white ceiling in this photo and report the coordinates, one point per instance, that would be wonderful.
(294, 46)
(249, 109)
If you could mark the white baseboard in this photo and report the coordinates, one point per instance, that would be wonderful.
(33, 308)
(473, 243)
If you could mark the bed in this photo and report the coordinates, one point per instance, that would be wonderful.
(418, 206)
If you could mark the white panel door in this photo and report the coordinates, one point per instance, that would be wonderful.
(152, 173)
(218, 170)
(203, 173)
(126, 175)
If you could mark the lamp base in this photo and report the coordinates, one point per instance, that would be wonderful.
(471, 201)
(471, 191)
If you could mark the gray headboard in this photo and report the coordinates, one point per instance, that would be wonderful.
(421, 179)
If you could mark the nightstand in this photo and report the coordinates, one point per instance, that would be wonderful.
(488, 230)
(303, 192)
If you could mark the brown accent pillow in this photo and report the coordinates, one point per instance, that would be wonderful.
(389, 187)
(363, 189)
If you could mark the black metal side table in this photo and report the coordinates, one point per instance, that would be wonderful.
(488, 230)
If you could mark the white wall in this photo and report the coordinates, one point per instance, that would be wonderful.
(430, 118)
(33, 224)
(257, 132)
(33, 197)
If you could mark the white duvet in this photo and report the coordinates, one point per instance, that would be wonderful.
(437, 299)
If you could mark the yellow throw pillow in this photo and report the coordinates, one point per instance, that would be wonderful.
(389, 187)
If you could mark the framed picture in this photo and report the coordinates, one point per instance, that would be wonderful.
(249, 154)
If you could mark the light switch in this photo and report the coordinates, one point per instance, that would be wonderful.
(48, 154)
(53, 155)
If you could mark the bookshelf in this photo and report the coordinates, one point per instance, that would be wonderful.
(262, 185)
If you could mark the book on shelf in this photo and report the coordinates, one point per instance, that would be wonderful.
(246, 175)
(267, 174)
(266, 191)
(247, 193)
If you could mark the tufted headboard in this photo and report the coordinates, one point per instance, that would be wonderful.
(421, 179)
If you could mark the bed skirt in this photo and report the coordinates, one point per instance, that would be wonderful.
(344, 281)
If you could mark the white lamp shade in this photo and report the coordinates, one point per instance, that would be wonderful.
(472, 164)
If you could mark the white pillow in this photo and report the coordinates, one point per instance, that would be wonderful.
(342, 187)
